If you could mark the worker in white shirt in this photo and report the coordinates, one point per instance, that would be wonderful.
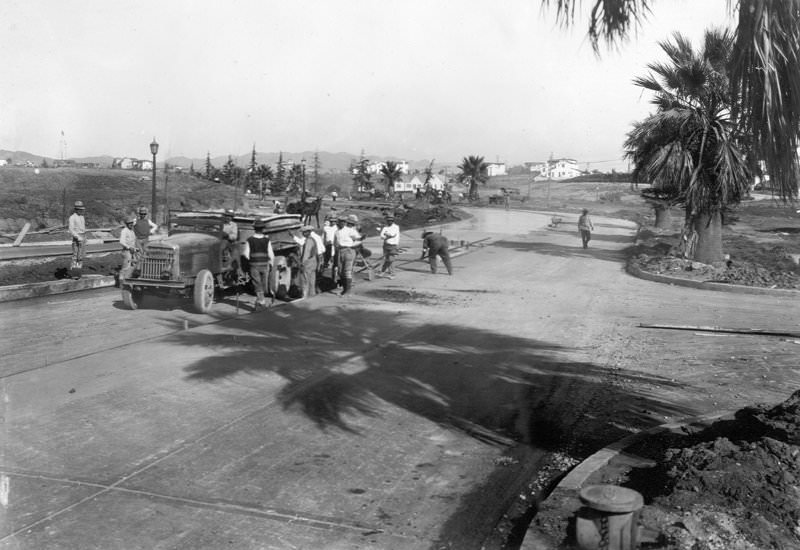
(77, 228)
(346, 240)
(390, 235)
(127, 238)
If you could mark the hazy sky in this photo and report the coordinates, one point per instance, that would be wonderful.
(414, 79)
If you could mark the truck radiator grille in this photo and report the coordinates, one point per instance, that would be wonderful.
(154, 265)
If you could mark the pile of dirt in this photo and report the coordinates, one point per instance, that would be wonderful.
(733, 485)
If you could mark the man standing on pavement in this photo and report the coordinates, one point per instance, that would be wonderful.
(77, 228)
(143, 228)
(433, 245)
(328, 229)
(585, 227)
(127, 238)
(309, 261)
(347, 239)
(258, 249)
(390, 234)
(320, 257)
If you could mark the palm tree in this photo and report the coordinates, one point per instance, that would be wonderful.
(473, 172)
(688, 148)
(391, 173)
(765, 77)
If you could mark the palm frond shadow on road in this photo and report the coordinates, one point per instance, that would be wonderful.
(339, 362)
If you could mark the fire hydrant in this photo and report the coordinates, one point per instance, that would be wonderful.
(609, 519)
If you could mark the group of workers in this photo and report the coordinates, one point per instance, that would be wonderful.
(133, 238)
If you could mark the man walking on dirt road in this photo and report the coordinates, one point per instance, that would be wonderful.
(258, 249)
(585, 227)
(433, 245)
(391, 246)
(77, 228)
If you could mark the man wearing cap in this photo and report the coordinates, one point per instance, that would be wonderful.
(328, 229)
(309, 261)
(258, 250)
(346, 240)
(127, 238)
(390, 234)
(433, 245)
(585, 227)
(143, 228)
(77, 228)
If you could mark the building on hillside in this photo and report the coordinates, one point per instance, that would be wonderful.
(555, 169)
(376, 167)
(496, 169)
(416, 183)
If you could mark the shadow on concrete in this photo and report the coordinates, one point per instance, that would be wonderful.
(552, 249)
(342, 362)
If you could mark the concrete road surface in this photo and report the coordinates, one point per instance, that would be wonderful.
(389, 419)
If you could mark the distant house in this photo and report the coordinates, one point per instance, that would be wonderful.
(555, 169)
(3, 162)
(416, 182)
(376, 167)
(146, 165)
(496, 169)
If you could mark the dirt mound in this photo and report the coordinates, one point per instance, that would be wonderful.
(735, 484)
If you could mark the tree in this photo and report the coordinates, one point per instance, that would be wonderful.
(361, 175)
(391, 173)
(688, 148)
(316, 165)
(209, 166)
(473, 172)
(764, 80)
(278, 185)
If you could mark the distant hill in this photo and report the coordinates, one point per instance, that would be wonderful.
(329, 162)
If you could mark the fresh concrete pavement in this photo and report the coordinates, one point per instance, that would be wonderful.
(382, 420)
(314, 425)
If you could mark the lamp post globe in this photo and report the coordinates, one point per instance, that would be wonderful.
(154, 151)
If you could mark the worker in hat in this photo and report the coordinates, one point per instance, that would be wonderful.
(328, 229)
(585, 227)
(258, 249)
(143, 228)
(77, 228)
(229, 226)
(390, 235)
(127, 239)
(433, 245)
(309, 259)
(346, 240)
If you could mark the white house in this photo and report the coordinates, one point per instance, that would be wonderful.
(496, 169)
(416, 182)
(376, 167)
(556, 169)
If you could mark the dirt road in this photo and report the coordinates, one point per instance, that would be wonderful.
(389, 419)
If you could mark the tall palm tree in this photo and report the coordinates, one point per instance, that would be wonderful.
(765, 80)
(473, 172)
(391, 173)
(688, 148)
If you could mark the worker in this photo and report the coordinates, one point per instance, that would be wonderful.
(328, 229)
(320, 258)
(258, 249)
(308, 260)
(346, 240)
(77, 228)
(585, 227)
(127, 238)
(229, 227)
(390, 234)
(143, 228)
(433, 245)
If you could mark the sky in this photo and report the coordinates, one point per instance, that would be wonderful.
(412, 79)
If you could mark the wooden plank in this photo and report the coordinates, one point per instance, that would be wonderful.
(724, 330)
(22, 234)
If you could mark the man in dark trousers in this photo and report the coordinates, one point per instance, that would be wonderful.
(433, 245)
(143, 228)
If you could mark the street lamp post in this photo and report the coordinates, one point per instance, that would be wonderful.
(303, 164)
(154, 151)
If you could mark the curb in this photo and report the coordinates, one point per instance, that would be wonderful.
(34, 290)
(636, 271)
(564, 496)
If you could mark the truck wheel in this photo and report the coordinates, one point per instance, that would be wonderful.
(132, 298)
(203, 291)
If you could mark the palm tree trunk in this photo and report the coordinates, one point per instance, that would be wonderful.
(663, 214)
(709, 238)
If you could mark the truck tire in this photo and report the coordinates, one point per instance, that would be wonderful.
(203, 291)
(132, 298)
